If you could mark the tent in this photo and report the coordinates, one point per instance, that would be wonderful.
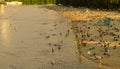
(105, 22)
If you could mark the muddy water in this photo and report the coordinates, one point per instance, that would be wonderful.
(27, 36)
(23, 36)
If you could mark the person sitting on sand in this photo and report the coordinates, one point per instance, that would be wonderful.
(94, 56)
(114, 47)
(107, 53)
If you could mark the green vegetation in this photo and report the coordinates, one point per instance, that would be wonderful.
(36, 1)
(102, 4)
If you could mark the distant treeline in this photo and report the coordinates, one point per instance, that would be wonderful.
(36, 1)
(102, 4)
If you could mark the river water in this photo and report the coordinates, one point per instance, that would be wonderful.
(27, 36)
(23, 32)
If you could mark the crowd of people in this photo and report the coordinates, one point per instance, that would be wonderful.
(93, 32)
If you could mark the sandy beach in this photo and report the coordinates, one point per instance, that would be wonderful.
(92, 35)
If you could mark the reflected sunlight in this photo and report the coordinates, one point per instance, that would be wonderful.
(4, 30)
(2, 9)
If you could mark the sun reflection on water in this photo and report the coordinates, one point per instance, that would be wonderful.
(4, 31)
(2, 9)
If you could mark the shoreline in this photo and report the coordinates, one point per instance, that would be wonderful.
(76, 24)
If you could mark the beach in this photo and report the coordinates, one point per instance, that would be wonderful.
(36, 37)
(93, 34)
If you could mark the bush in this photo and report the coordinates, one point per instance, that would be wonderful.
(36, 1)
(103, 4)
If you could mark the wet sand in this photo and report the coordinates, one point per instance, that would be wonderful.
(99, 47)
(84, 25)
(29, 33)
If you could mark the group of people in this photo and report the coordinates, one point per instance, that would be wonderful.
(104, 36)
(57, 46)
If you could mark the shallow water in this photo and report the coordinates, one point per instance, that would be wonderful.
(27, 35)
(23, 31)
